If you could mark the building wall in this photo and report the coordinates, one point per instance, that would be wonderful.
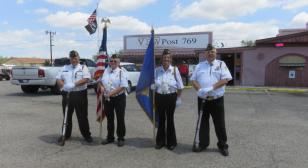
(25, 62)
(255, 62)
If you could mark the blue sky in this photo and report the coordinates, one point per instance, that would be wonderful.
(24, 22)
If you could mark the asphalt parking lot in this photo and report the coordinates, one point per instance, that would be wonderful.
(267, 130)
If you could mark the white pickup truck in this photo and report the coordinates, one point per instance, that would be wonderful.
(132, 74)
(32, 78)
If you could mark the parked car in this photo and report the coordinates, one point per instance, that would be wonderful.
(32, 78)
(133, 74)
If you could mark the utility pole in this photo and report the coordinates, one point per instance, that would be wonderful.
(51, 34)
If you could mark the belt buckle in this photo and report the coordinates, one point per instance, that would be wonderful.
(209, 98)
(165, 92)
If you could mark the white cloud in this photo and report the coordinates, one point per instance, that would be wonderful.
(14, 36)
(294, 4)
(79, 20)
(28, 43)
(130, 24)
(24, 42)
(229, 33)
(300, 19)
(219, 9)
(123, 5)
(66, 19)
(70, 3)
(20, 1)
(36, 43)
(41, 11)
(5, 22)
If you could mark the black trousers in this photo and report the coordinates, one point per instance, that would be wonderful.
(116, 104)
(214, 108)
(78, 101)
(165, 106)
(185, 78)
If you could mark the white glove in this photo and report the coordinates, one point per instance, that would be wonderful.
(178, 102)
(201, 93)
(153, 87)
(106, 95)
(208, 89)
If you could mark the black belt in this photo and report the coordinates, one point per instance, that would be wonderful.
(166, 93)
(210, 98)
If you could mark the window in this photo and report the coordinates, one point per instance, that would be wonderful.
(90, 63)
(292, 61)
(130, 68)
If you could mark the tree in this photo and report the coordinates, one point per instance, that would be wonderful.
(47, 62)
(94, 57)
(3, 59)
(248, 43)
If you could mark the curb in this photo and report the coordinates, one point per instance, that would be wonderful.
(262, 89)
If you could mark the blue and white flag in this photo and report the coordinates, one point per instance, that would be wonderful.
(146, 79)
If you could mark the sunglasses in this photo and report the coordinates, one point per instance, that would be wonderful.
(113, 61)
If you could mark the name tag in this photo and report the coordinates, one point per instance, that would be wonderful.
(217, 68)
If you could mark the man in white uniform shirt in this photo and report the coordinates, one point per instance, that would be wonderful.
(209, 80)
(72, 79)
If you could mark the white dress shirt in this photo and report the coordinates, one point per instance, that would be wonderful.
(207, 74)
(72, 74)
(168, 81)
(114, 78)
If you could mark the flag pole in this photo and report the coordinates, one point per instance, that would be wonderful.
(101, 122)
(101, 118)
(153, 94)
(102, 101)
(101, 97)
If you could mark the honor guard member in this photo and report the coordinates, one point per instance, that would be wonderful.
(209, 80)
(72, 80)
(168, 89)
(113, 85)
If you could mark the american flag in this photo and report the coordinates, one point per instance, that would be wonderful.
(92, 18)
(100, 67)
(92, 23)
(101, 64)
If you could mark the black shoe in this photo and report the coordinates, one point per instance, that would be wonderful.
(159, 146)
(171, 147)
(107, 141)
(198, 149)
(120, 143)
(224, 151)
(88, 139)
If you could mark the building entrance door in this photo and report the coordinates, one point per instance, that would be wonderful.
(229, 59)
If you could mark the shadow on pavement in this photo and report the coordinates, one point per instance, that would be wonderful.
(185, 148)
(43, 93)
(53, 139)
(140, 142)
(181, 149)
